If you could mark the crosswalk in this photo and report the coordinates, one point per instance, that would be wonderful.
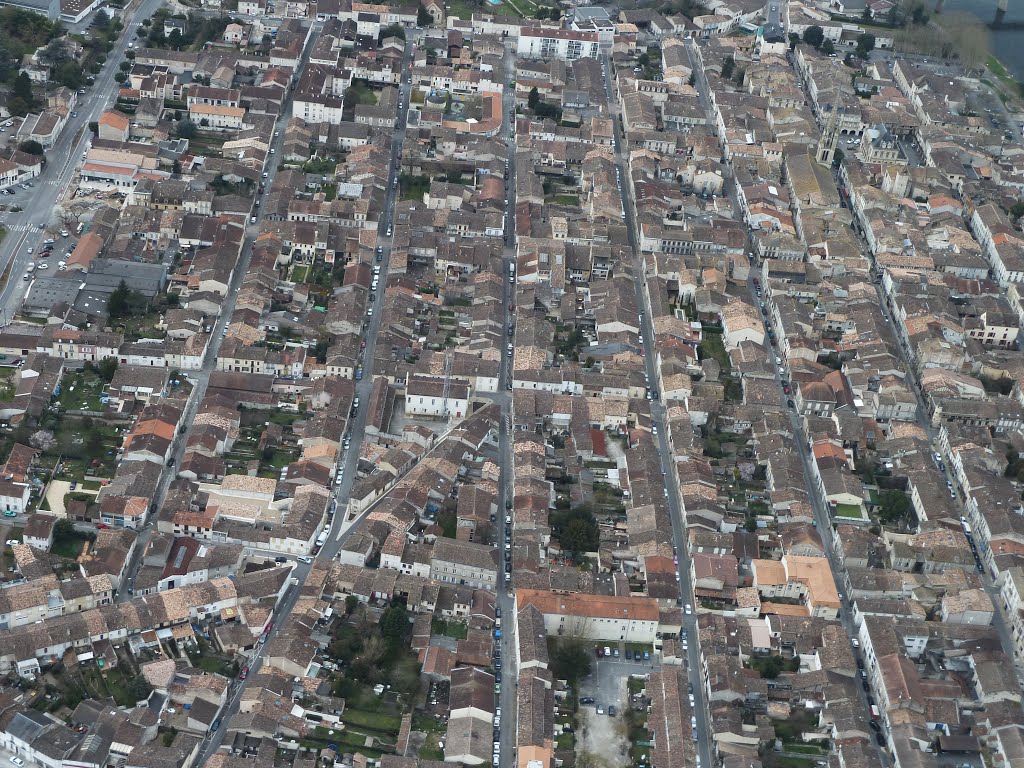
(18, 227)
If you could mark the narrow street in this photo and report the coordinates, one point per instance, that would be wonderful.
(505, 601)
(822, 517)
(661, 439)
(200, 380)
(341, 526)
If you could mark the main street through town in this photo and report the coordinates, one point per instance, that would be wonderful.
(661, 436)
(505, 602)
(26, 228)
(341, 524)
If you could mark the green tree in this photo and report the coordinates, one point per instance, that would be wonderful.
(728, 67)
(8, 68)
(579, 536)
(893, 507)
(54, 53)
(828, 48)
(320, 350)
(394, 623)
(865, 44)
(570, 660)
(185, 129)
(1017, 210)
(31, 147)
(866, 16)
(64, 529)
(101, 20)
(423, 19)
(120, 77)
(22, 87)
(814, 35)
(394, 30)
(69, 74)
(94, 127)
(18, 106)
(351, 603)
(118, 305)
(106, 368)
(794, 38)
(576, 529)
(139, 688)
(533, 99)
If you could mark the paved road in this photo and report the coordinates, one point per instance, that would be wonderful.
(39, 201)
(505, 602)
(340, 527)
(201, 379)
(821, 516)
(661, 438)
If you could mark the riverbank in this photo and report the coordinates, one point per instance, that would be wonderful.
(1010, 89)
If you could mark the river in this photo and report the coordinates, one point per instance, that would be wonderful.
(1006, 44)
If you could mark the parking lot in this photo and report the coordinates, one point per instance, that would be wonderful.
(605, 736)
(607, 681)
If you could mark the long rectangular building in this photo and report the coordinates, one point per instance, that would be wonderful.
(553, 43)
(594, 617)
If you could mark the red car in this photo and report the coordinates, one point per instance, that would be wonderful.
(244, 674)
(102, 526)
(786, 390)
(599, 651)
(270, 626)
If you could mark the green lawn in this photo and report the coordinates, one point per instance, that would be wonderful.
(70, 547)
(805, 749)
(713, 346)
(6, 382)
(849, 510)
(361, 93)
(377, 721)
(455, 629)
(566, 200)
(413, 187)
(284, 418)
(996, 68)
(204, 659)
(81, 392)
(118, 687)
(465, 9)
(430, 751)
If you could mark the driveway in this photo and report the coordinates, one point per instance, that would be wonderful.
(56, 491)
